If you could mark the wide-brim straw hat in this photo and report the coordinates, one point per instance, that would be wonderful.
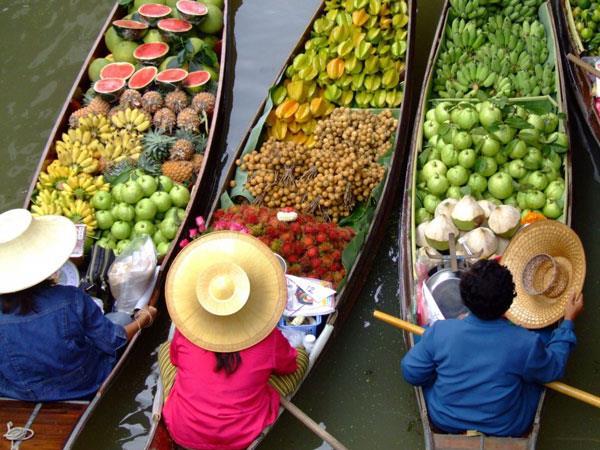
(32, 248)
(561, 243)
(226, 291)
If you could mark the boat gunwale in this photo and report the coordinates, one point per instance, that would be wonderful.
(406, 268)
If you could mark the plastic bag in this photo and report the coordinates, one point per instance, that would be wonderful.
(132, 272)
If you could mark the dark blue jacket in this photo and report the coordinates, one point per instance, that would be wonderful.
(485, 375)
(62, 350)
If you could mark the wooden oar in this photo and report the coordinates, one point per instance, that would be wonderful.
(558, 386)
(312, 425)
(585, 66)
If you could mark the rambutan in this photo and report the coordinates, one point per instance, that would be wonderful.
(287, 249)
(315, 262)
(325, 247)
(287, 237)
(321, 237)
(293, 259)
(276, 245)
(308, 241)
(250, 217)
(312, 252)
(295, 228)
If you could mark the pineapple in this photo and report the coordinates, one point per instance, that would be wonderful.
(152, 101)
(80, 113)
(204, 102)
(199, 140)
(157, 144)
(118, 170)
(188, 120)
(115, 109)
(182, 150)
(131, 99)
(176, 101)
(149, 164)
(99, 106)
(197, 162)
(178, 171)
(165, 120)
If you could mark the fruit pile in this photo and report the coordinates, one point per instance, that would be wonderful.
(586, 15)
(354, 58)
(493, 53)
(508, 155)
(312, 248)
(328, 178)
(143, 205)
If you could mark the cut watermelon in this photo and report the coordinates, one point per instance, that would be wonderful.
(121, 70)
(152, 12)
(196, 81)
(142, 78)
(109, 88)
(151, 53)
(131, 30)
(173, 28)
(171, 77)
(194, 12)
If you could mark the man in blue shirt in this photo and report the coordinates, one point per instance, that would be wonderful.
(483, 373)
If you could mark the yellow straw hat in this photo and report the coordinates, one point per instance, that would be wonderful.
(547, 261)
(226, 291)
(32, 248)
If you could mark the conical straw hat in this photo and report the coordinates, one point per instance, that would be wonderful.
(32, 248)
(561, 243)
(226, 291)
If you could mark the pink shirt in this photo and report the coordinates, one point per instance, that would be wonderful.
(211, 410)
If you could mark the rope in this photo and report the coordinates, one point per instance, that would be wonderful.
(17, 434)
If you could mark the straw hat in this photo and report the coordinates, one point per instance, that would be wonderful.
(226, 291)
(32, 248)
(547, 261)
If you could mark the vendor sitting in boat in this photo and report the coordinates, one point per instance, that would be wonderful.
(56, 343)
(483, 373)
(225, 293)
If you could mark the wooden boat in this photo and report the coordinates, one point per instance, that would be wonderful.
(58, 424)
(580, 82)
(159, 438)
(435, 439)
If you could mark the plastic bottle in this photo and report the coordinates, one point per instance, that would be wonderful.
(309, 342)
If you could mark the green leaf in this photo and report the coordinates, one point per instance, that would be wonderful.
(518, 123)
(125, 2)
(226, 201)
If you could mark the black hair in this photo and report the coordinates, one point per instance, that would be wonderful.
(22, 302)
(229, 362)
(487, 289)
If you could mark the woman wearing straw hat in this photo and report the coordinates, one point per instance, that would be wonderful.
(483, 373)
(56, 344)
(225, 293)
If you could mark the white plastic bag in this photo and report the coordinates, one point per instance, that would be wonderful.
(132, 272)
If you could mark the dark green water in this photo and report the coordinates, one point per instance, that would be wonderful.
(357, 391)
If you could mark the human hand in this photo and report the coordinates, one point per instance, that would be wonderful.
(574, 306)
(145, 316)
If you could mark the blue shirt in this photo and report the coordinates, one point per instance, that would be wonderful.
(62, 350)
(485, 375)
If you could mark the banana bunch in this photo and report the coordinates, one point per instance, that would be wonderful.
(470, 78)
(47, 202)
(97, 125)
(131, 120)
(78, 211)
(54, 176)
(78, 156)
(122, 145)
(539, 81)
(84, 186)
(520, 10)
(462, 35)
(468, 9)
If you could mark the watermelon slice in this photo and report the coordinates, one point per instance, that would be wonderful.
(196, 81)
(151, 53)
(152, 12)
(194, 12)
(109, 88)
(121, 70)
(142, 78)
(173, 28)
(131, 30)
(171, 77)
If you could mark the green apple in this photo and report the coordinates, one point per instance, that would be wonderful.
(116, 191)
(462, 140)
(477, 183)
(162, 248)
(124, 212)
(454, 192)
(107, 242)
(449, 155)
(442, 111)
(489, 146)
(102, 200)
(158, 237)
(430, 202)
(516, 149)
(169, 228)
(438, 184)
(121, 229)
(148, 184)
(533, 159)
(552, 209)
(180, 195)
(555, 189)
(486, 166)
(162, 201)
(165, 183)
(144, 227)
(500, 185)
(538, 180)
(104, 219)
(457, 176)
(422, 215)
(516, 169)
(434, 167)
(122, 245)
(132, 192)
(430, 128)
(145, 209)
(535, 199)
(467, 158)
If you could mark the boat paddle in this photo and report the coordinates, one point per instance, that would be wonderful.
(557, 386)
(311, 424)
(585, 66)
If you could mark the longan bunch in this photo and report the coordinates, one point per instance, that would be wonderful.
(328, 178)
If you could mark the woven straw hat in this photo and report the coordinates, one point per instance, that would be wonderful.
(226, 291)
(547, 261)
(32, 248)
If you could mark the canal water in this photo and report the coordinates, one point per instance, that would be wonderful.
(357, 391)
